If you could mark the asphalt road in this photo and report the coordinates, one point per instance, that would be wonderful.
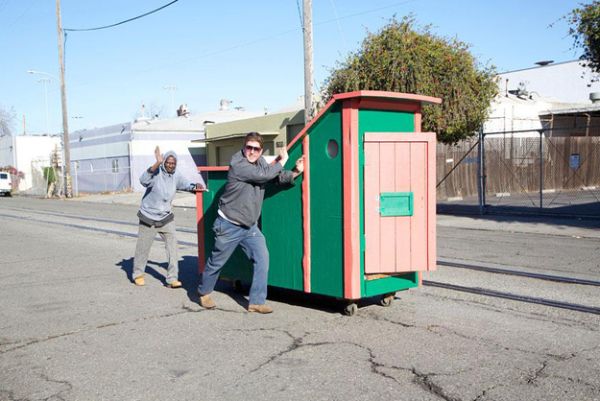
(73, 327)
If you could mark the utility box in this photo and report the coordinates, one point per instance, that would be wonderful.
(360, 222)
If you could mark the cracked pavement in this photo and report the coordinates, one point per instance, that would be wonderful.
(77, 329)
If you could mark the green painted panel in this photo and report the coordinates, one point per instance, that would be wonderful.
(385, 121)
(377, 121)
(396, 204)
(238, 267)
(326, 205)
(281, 224)
(390, 284)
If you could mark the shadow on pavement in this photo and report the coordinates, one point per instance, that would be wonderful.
(189, 277)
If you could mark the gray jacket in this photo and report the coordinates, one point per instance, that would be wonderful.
(160, 190)
(245, 189)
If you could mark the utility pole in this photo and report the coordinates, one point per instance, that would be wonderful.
(308, 59)
(63, 96)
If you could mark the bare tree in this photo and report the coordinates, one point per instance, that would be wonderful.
(7, 120)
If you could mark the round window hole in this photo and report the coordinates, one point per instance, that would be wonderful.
(332, 148)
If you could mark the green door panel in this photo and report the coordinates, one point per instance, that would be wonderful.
(378, 121)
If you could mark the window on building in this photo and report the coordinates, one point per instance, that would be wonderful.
(115, 166)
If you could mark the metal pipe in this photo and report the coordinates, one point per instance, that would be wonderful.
(541, 169)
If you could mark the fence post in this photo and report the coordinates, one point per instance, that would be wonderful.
(541, 169)
(481, 172)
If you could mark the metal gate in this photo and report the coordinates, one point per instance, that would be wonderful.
(521, 172)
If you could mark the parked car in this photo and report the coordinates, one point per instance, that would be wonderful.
(5, 183)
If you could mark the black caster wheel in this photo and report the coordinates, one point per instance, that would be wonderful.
(238, 286)
(350, 309)
(387, 300)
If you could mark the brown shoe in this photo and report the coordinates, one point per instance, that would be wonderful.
(206, 302)
(260, 309)
(139, 281)
(174, 284)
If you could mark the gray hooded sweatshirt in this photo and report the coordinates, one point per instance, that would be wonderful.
(160, 189)
(245, 189)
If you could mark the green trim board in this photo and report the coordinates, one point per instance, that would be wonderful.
(391, 284)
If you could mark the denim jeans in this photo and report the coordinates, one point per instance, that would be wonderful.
(227, 237)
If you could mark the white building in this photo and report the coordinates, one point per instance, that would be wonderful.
(544, 97)
(112, 158)
(29, 154)
(567, 82)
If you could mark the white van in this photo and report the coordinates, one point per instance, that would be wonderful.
(5, 183)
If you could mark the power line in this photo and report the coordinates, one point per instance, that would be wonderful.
(258, 40)
(120, 23)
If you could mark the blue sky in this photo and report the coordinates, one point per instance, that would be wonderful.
(250, 52)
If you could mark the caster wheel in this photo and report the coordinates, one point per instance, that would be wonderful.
(350, 309)
(387, 300)
(238, 286)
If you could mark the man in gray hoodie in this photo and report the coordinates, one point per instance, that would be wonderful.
(236, 223)
(161, 181)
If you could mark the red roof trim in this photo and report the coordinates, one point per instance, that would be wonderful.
(213, 168)
(370, 94)
(389, 95)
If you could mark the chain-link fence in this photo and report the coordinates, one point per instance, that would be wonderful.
(85, 178)
(107, 179)
(521, 172)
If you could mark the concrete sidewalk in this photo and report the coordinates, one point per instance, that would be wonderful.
(544, 225)
(182, 199)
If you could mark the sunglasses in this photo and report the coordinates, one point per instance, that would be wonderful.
(253, 148)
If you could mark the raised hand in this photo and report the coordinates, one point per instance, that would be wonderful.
(283, 156)
(158, 155)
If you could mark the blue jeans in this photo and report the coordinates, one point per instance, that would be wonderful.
(227, 237)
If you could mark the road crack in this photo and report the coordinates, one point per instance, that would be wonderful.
(185, 310)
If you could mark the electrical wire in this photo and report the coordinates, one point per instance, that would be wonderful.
(300, 14)
(119, 23)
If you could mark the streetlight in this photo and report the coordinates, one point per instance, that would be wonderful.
(46, 80)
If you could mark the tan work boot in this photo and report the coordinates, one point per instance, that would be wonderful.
(206, 302)
(174, 284)
(260, 309)
(139, 281)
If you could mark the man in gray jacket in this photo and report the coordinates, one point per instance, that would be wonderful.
(161, 181)
(236, 223)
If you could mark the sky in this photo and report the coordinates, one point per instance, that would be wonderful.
(198, 52)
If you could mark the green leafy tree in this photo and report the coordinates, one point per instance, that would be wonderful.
(585, 30)
(403, 58)
(49, 175)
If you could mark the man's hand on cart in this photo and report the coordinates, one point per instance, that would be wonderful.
(299, 168)
(200, 188)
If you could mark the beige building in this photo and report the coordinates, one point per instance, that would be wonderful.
(224, 139)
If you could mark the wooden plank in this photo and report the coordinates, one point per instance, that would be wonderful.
(387, 225)
(403, 223)
(372, 191)
(418, 229)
